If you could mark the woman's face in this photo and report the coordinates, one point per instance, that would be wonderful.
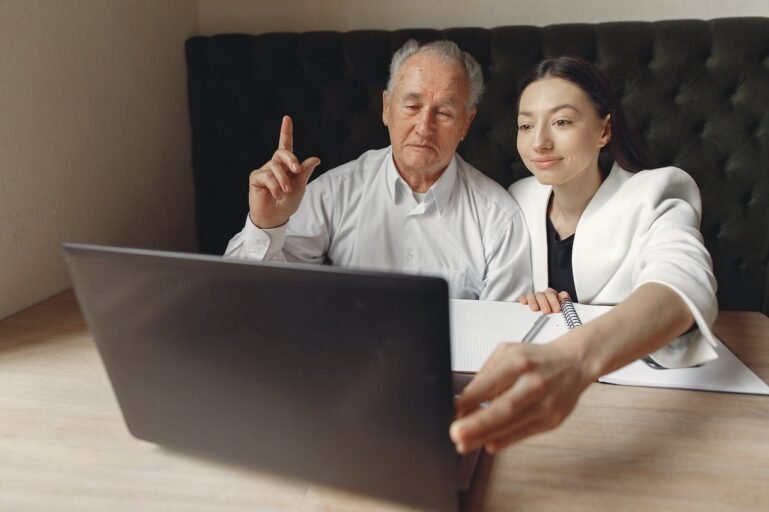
(559, 132)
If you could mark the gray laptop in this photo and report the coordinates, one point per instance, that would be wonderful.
(334, 376)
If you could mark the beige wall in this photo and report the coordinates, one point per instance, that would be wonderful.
(256, 16)
(94, 134)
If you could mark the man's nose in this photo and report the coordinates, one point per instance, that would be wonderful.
(425, 122)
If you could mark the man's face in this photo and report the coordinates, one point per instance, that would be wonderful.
(427, 114)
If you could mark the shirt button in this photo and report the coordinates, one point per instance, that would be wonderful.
(410, 256)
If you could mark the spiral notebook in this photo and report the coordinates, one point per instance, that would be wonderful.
(477, 327)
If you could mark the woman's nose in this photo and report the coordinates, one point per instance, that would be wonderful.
(542, 140)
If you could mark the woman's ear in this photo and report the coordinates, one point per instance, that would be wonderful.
(606, 133)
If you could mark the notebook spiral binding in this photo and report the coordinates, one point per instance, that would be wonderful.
(570, 314)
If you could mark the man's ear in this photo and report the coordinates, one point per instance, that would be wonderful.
(606, 134)
(385, 107)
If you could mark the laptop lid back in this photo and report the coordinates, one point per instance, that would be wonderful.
(335, 376)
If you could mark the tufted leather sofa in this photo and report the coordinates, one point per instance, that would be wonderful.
(696, 94)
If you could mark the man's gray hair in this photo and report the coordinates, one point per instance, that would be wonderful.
(448, 51)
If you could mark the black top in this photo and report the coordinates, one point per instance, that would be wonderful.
(560, 275)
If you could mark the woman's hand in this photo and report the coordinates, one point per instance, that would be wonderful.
(548, 301)
(529, 389)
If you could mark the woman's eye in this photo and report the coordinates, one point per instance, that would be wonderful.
(562, 122)
(524, 127)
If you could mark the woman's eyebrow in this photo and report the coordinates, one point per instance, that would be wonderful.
(552, 110)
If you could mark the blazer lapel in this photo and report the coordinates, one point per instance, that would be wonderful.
(538, 233)
(595, 255)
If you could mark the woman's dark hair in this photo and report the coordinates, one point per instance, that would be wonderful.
(595, 84)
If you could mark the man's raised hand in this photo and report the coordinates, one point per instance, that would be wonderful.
(275, 190)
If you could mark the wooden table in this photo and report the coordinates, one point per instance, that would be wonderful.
(63, 445)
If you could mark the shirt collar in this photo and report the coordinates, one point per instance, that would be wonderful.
(440, 191)
(443, 188)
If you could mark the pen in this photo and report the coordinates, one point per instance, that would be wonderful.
(529, 336)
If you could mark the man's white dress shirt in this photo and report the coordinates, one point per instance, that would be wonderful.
(362, 214)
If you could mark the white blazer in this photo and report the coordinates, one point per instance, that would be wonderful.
(638, 228)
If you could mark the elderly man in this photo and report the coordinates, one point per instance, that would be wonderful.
(413, 207)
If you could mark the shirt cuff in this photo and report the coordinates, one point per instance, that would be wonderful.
(263, 244)
(693, 347)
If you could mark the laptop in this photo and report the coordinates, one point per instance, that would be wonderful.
(330, 375)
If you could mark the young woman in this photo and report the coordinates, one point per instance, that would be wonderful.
(627, 237)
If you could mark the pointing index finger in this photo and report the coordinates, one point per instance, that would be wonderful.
(286, 140)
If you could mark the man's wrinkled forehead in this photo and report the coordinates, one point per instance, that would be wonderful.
(423, 74)
(452, 101)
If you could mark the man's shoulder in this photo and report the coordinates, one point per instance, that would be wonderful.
(362, 168)
(478, 184)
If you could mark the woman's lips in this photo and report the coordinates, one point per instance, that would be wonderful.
(545, 163)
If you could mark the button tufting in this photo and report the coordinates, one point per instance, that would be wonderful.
(747, 198)
(695, 94)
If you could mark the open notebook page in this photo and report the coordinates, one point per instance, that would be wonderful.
(478, 326)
